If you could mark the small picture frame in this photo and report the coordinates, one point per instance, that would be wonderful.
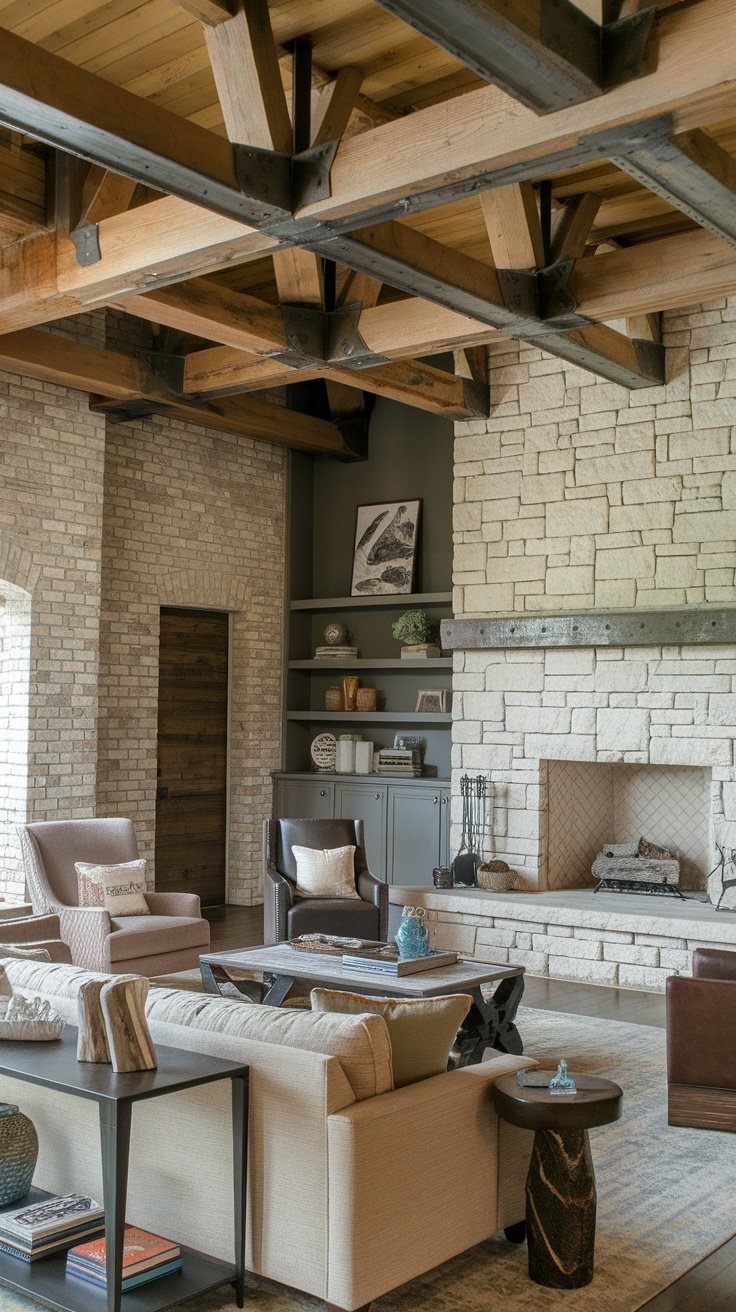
(430, 701)
(385, 551)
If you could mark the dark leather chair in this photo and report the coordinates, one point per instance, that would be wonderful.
(286, 916)
(701, 1055)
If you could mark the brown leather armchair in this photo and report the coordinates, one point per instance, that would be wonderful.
(286, 916)
(701, 1057)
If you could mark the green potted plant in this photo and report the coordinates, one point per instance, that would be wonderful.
(417, 633)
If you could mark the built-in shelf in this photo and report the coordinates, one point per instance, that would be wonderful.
(384, 717)
(407, 600)
(365, 663)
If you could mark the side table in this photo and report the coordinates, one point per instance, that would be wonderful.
(54, 1065)
(560, 1186)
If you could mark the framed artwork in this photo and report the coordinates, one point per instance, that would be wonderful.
(386, 539)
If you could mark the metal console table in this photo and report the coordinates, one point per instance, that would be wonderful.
(55, 1066)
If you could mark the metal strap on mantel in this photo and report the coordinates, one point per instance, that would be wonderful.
(643, 628)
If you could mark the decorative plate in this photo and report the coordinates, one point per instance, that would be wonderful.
(323, 751)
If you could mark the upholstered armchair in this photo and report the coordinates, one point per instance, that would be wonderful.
(170, 939)
(286, 915)
(701, 1057)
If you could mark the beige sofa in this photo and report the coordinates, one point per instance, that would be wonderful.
(354, 1187)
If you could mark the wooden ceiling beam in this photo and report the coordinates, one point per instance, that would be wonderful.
(211, 12)
(572, 226)
(334, 104)
(119, 380)
(208, 309)
(245, 65)
(512, 222)
(547, 56)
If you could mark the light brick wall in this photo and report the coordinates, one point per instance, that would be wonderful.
(50, 547)
(577, 494)
(15, 674)
(193, 517)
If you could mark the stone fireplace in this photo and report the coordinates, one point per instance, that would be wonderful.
(599, 744)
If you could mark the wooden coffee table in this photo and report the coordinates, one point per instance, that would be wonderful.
(560, 1186)
(490, 1021)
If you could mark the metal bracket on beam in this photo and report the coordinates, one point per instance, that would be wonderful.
(265, 176)
(557, 304)
(305, 329)
(122, 412)
(344, 344)
(86, 241)
(624, 47)
(167, 369)
(310, 173)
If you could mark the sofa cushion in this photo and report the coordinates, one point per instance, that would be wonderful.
(149, 936)
(360, 1044)
(422, 1030)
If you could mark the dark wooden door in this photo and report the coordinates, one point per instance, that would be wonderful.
(191, 798)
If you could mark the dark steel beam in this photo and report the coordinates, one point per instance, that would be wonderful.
(533, 308)
(690, 171)
(645, 628)
(548, 55)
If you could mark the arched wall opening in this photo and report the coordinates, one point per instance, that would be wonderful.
(15, 678)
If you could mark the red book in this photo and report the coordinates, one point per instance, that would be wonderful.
(141, 1251)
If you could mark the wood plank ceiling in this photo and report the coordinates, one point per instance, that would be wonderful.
(557, 174)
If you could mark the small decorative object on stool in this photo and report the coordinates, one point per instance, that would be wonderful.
(561, 1085)
(412, 938)
(18, 1153)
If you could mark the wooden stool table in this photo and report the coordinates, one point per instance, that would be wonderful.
(560, 1186)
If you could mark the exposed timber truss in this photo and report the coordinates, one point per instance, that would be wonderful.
(332, 240)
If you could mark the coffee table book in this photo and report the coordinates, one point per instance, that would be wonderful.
(386, 961)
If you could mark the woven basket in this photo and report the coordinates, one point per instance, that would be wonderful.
(366, 699)
(495, 881)
(333, 698)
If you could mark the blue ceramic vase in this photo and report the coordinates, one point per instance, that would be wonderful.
(412, 938)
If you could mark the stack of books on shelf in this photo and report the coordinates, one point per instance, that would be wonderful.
(335, 653)
(395, 760)
(39, 1229)
(145, 1257)
(385, 960)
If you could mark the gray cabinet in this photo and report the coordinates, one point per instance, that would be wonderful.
(366, 802)
(417, 833)
(299, 799)
(407, 823)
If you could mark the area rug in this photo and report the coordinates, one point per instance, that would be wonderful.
(665, 1197)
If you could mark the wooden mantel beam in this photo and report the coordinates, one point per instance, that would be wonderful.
(545, 55)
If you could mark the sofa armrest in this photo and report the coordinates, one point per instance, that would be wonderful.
(278, 896)
(174, 904)
(700, 1017)
(430, 1152)
(86, 930)
(30, 930)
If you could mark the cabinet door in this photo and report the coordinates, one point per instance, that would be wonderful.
(304, 799)
(366, 802)
(414, 823)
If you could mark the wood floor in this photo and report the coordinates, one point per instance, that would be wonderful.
(708, 1287)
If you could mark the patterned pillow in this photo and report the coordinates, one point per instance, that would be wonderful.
(325, 872)
(93, 886)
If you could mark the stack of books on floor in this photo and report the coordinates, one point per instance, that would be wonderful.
(46, 1227)
(145, 1257)
(399, 761)
(385, 960)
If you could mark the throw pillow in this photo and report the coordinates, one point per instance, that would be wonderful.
(325, 872)
(118, 888)
(421, 1030)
